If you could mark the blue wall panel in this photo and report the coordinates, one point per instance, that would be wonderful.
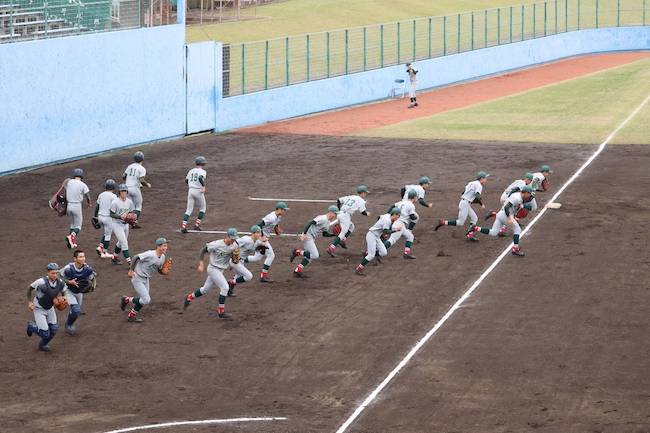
(201, 87)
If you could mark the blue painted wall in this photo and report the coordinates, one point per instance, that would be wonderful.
(201, 86)
(68, 97)
(315, 96)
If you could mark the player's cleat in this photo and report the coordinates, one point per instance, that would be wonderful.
(491, 214)
(265, 280)
(294, 254)
(31, 328)
(330, 251)
(188, 300)
(409, 257)
(299, 274)
(44, 348)
(136, 226)
(502, 233)
(344, 244)
(69, 241)
(441, 223)
(197, 228)
(231, 289)
(100, 250)
(184, 230)
(359, 271)
(115, 260)
(221, 312)
(470, 237)
(106, 256)
(516, 251)
(69, 329)
(134, 319)
(124, 302)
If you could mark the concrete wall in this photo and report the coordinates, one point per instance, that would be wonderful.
(67, 97)
(300, 99)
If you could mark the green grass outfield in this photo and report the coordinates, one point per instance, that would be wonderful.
(293, 17)
(581, 110)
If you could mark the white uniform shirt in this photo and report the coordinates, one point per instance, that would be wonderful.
(220, 253)
(247, 245)
(407, 208)
(383, 223)
(193, 177)
(412, 73)
(104, 202)
(270, 221)
(148, 264)
(515, 201)
(133, 174)
(352, 203)
(471, 190)
(416, 188)
(516, 185)
(322, 224)
(538, 178)
(120, 207)
(75, 190)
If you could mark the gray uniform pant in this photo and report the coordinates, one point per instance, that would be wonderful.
(374, 246)
(121, 232)
(107, 225)
(501, 220)
(43, 317)
(309, 244)
(195, 198)
(76, 216)
(215, 279)
(135, 194)
(74, 298)
(345, 221)
(269, 255)
(404, 232)
(412, 86)
(141, 286)
(465, 210)
(240, 270)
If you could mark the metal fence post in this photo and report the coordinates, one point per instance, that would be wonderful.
(510, 24)
(365, 48)
(414, 49)
(381, 33)
(485, 42)
(430, 37)
(579, 14)
(307, 47)
(523, 14)
(286, 59)
(11, 22)
(596, 13)
(618, 13)
(555, 12)
(534, 20)
(45, 11)
(545, 18)
(327, 44)
(266, 65)
(472, 32)
(243, 68)
(399, 44)
(444, 35)
(458, 34)
(498, 26)
(346, 51)
(644, 12)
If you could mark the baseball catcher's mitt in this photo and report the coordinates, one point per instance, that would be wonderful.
(545, 185)
(166, 267)
(235, 256)
(261, 248)
(131, 218)
(58, 202)
(60, 303)
(277, 230)
(336, 229)
(385, 236)
(95, 223)
(521, 213)
(84, 286)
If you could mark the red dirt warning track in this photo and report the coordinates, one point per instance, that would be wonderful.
(352, 120)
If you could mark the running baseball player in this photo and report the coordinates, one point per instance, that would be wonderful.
(248, 246)
(318, 226)
(76, 193)
(142, 268)
(471, 195)
(42, 304)
(412, 73)
(540, 181)
(103, 218)
(195, 180)
(405, 223)
(79, 278)
(348, 205)
(515, 186)
(134, 179)
(120, 207)
(269, 224)
(374, 243)
(506, 216)
(220, 255)
(423, 184)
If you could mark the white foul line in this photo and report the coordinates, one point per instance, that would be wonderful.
(299, 200)
(473, 287)
(199, 422)
(224, 232)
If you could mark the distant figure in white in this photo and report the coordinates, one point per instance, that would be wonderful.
(413, 81)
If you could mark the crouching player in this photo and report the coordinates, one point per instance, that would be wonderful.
(374, 243)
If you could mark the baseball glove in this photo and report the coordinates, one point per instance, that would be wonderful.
(235, 256)
(261, 248)
(521, 213)
(131, 218)
(385, 236)
(545, 185)
(336, 229)
(60, 303)
(166, 267)
(95, 222)
(58, 202)
(85, 286)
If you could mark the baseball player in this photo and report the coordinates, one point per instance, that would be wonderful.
(76, 192)
(318, 226)
(348, 205)
(134, 178)
(220, 258)
(471, 194)
(42, 304)
(103, 215)
(78, 278)
(506, 216)
(248, 246)
(142, 268)
(405, 223)
(269, 224)
(195, 180)
(515, 186)
(412, 73)
(120, 206)
(374, 243)
(540, 179)
(423, 184)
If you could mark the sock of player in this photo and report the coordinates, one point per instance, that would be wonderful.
(265, 271)
(137, 306)
(450, 222)
(199, 219)
(186, 218)
(484, 230)
(407, 247)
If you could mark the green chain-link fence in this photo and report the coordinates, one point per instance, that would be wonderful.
(261, 65)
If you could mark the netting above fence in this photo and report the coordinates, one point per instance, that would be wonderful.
(261, 65)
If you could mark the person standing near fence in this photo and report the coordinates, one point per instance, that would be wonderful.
(410, 69)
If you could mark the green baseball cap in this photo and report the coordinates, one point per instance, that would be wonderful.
(333, 209)
(395, 211)
(528, 189)
(255, 229)
(546, 169)
(362, 188)
(481, 175)
(232, 233)
(528, 176)
(424, 180)
(281, 205)
(161, 241)
(412, 194)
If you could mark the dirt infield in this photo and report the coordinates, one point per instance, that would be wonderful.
(311, 350)
(352, 120)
